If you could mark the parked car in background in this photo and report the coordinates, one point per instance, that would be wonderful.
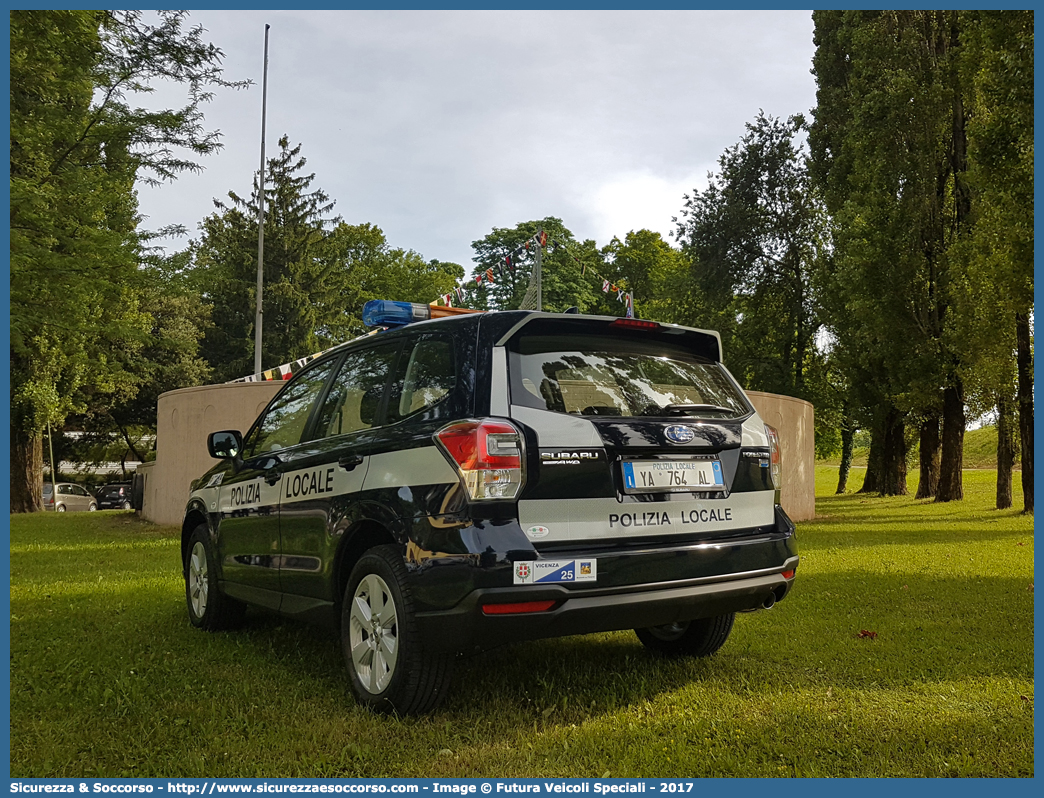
(69, 497)
(115, 496)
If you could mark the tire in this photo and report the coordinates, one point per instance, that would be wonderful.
(389, 669)
(699, 638)
(126, 505)
(59, 508)
(208, 607)
(92, 507)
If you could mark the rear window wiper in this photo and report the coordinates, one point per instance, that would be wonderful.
(684, 410)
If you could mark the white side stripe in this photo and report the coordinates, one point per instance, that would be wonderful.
(425, 466)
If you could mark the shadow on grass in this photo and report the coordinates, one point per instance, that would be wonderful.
(794, 691)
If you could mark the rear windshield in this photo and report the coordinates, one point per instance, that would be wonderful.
(614, 376)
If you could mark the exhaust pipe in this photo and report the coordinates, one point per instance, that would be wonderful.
(770, 599)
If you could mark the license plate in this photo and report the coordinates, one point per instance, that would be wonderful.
(641, 476)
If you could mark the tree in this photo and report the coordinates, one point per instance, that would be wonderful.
(753, 237)
(373, 269)
(564, 284)
(997, 68)
(889, 149)
(297, 271)
(77, 147)
(653, 271)
(318, 273)
(166, 359)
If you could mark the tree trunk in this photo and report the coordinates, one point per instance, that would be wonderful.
(1005, 452)
(873, 461)
(951, 485)
(130, 445)
(26, 472)
(847, 445)
(928, 483)
(892, 481)
(1025, 367)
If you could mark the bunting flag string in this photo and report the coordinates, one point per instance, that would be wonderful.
(288, 370)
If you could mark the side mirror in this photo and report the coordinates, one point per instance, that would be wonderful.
(225, 445)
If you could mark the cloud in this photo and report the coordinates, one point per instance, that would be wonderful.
(439, 125)
(637, 201)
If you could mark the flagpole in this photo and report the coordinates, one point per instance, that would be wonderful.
(539, 274)
(50, 445)
(261, 217)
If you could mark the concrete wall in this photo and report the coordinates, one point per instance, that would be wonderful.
(186, 417)
(794, 420)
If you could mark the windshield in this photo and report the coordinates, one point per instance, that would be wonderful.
(608, 376)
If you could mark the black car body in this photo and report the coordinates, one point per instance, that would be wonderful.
(461, 483)
(114, 496)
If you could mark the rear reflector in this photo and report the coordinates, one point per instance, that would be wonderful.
(518, 607)
(636, 324)
(788, 574)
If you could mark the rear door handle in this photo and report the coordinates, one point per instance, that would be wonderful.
(272, 476)
(349, 462)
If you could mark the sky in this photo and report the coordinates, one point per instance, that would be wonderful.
(438, 126)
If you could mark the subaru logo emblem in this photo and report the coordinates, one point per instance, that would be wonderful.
(678, 434)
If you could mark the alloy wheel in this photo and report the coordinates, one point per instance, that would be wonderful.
(197, 580)
(373, 633)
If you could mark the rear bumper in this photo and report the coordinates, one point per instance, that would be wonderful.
(637, 586)
(597, 610)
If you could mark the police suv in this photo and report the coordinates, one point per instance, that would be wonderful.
(457, 483)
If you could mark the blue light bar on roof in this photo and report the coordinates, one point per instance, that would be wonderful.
(386, 313)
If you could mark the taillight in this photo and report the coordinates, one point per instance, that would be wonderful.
(775, 462)
(488, 457)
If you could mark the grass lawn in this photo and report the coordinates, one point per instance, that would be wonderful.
(109, 679)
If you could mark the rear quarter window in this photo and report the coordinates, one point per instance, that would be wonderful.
(426, 376)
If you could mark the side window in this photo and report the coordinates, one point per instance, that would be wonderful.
(426, 375)
(284, 423)
(356, 393)
(63, 490)
(80, 491)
